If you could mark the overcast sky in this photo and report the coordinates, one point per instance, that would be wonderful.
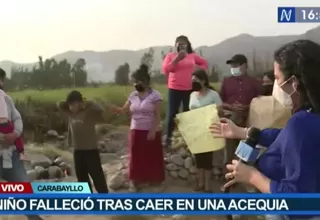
(47, 27)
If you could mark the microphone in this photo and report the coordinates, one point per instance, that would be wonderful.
(246, 150)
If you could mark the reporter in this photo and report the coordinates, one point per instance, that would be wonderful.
(290, 163)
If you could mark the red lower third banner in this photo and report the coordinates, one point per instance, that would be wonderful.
(15, 188)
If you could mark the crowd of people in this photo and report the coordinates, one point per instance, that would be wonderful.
(289, 164)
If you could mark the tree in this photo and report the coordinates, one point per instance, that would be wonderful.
(200, 53)
(215, 74)
(164, 54)
(79, 73)
(122, 74)
(148, 58)
(49, 74)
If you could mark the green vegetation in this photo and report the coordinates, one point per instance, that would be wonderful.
(114, 94)
(110, 93)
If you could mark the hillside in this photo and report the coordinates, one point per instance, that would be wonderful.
(102, 65)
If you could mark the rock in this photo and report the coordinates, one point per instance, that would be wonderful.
(108, 146)
(124, 157)
(117, 135)
(179, 143)
(38, 160)
(27, 165)
(39, 171)
(174, 174)
(180, 217)
(61, 137)
(188, 162)
(193, 170)
(171, 167)
(44, 174)
(58, 160)
(183, 152)
(192, 178)
(32, 174)
(55, 172)
(116, 181)
(108, 157)
(183, 173)
(63, 165)
(52, 133)
(177, 159)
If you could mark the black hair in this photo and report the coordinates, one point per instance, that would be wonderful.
(74, 96)
(2, 74)
(270, 75)
(202, 75)
(185, 38)
(301, 59)
(142, 74)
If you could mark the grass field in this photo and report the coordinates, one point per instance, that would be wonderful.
(111, 93)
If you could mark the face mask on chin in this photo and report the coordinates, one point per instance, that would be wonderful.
(236, 71)
(281, 96)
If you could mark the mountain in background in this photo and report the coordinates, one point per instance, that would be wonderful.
(102, 65)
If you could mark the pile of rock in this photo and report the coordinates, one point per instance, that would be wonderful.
(40, 167)
(113, 142)
(180, 163)
(53, 134)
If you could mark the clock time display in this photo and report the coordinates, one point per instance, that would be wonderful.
(308, 15)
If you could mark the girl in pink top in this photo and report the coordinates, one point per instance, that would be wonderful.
(179, 67)
(146, 163)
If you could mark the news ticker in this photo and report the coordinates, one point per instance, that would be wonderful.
(156, 204)
(75, 199)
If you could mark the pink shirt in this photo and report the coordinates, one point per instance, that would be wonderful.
(180, 75)
(143, 110)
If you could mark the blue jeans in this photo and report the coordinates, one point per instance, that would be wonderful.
(175, 99)
(16, 174)
(282, 217)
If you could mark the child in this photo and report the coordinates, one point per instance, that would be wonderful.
(6, 126)
(83, 116)
(203, 95)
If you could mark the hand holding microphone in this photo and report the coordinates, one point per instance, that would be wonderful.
(246, 151)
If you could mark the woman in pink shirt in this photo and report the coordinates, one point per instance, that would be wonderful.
(179, 67)
(146, 163)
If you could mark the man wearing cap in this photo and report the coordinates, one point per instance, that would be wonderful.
(236, 92)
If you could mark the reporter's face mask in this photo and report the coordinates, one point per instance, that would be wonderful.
(281, 96)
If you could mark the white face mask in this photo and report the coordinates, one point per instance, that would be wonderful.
(236, 71)
(281, 96)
